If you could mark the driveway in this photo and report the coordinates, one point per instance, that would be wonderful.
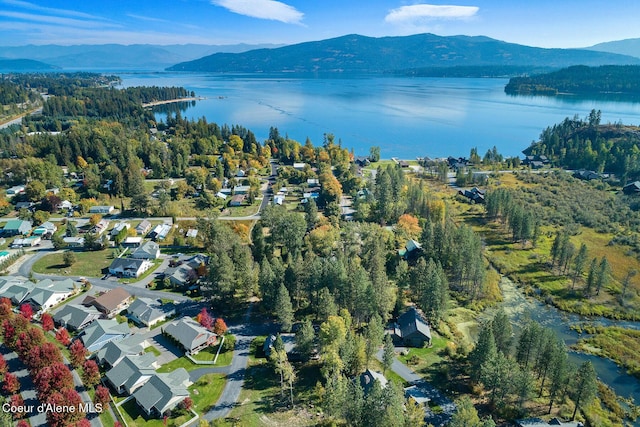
(407, 374)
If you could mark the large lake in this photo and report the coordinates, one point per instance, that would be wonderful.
(406, 117)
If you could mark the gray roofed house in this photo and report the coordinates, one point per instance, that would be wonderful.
(412, 329)
(163, 392)
(102, 331)
(132, 372)
(190, 335)
(47, 293)
(148, 250)
(76, 317)
(368, 377)
(149, 312)
(129, 267)
(144, 227)
(18, 292)
(74, 242)
(114, 351)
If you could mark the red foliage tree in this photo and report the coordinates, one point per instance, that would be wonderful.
(5, 308)
(27, 341)
(102, 396)
(187, 403)
(52, 378)
(82, 423)
(78, 353)
(11, 383)
(63, 336)
(9, 333)
(219, 327)
(67, 397)
(205, 319)
(27, 311)
(90, 373)
(47, 322)
(22, 423)
(3, 366)
(117, 424)
(17, 402)
(42, 356)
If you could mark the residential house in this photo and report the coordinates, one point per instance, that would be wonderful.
(287, 339)
(403, 164)
(149, 312)
(163, 392)
(101, 227)
(45, 230)
(103, 210)
(535, 162)
(47, 293)
(76, 317)
(74, 242)
(221, 195)
(186, 270)
(102, 331)
(313, 182)
(109, 303)
(418, 394)
(631, 188)
(362, 161)
(160, 232)
(411, 250)
(475, 194)
(237, 200)
(129, 267)
(241, 189)
(17, 291)
(16, 189)
(586, 175)
(299, 166)
(114, 351)
(412, 329)
(143, 228)
(148, 250)
(24, 205)
(118, 228)
(132, 242)
(66, 204)
(278, 200)
(190, 335)
(15, 227)
(132, 372)
(26, 242)
(192, 232)
(368, 377)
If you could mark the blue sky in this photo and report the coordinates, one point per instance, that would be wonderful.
(544, 23)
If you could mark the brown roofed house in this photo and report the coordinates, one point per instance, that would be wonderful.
(111, 302)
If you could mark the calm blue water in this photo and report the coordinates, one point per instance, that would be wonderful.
(406, 117)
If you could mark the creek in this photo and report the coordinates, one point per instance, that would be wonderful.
(520, 308)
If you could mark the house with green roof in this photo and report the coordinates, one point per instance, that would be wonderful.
(17, 227)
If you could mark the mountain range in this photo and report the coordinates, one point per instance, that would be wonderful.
(421, 54)
(356, 53)
(117, 56)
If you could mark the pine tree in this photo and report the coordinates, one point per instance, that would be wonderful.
(484, 350)
(602, 276)
(584, 386)
(373, 335)
(284, 309)
(388, 353)
(579, 263)
(502, 332)
(591, 277)
(304, 339)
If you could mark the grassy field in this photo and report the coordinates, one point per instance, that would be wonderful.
(206, 391)
(424, 360)
(619, 344)
(152, 349)
(89, 264)
(208, 354)
(134, 417)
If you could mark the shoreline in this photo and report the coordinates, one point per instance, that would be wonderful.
(171, 101)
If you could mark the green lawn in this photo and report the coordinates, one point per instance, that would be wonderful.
(206, 391)
(152, 349)
(88, 264)
(245, 210)
(156, 264)
(134, 418)
(208, 354)
(421, 359)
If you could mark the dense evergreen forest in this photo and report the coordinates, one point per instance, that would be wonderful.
(580, 79)
(587, 144)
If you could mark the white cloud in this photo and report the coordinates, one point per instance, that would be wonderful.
(58, 20)
(427, 12)
(55, 11)
(263, 9)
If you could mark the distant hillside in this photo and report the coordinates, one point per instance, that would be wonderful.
(20, 65)
(629, 47)
(579, 79)
(355, 53)
(118, 56)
